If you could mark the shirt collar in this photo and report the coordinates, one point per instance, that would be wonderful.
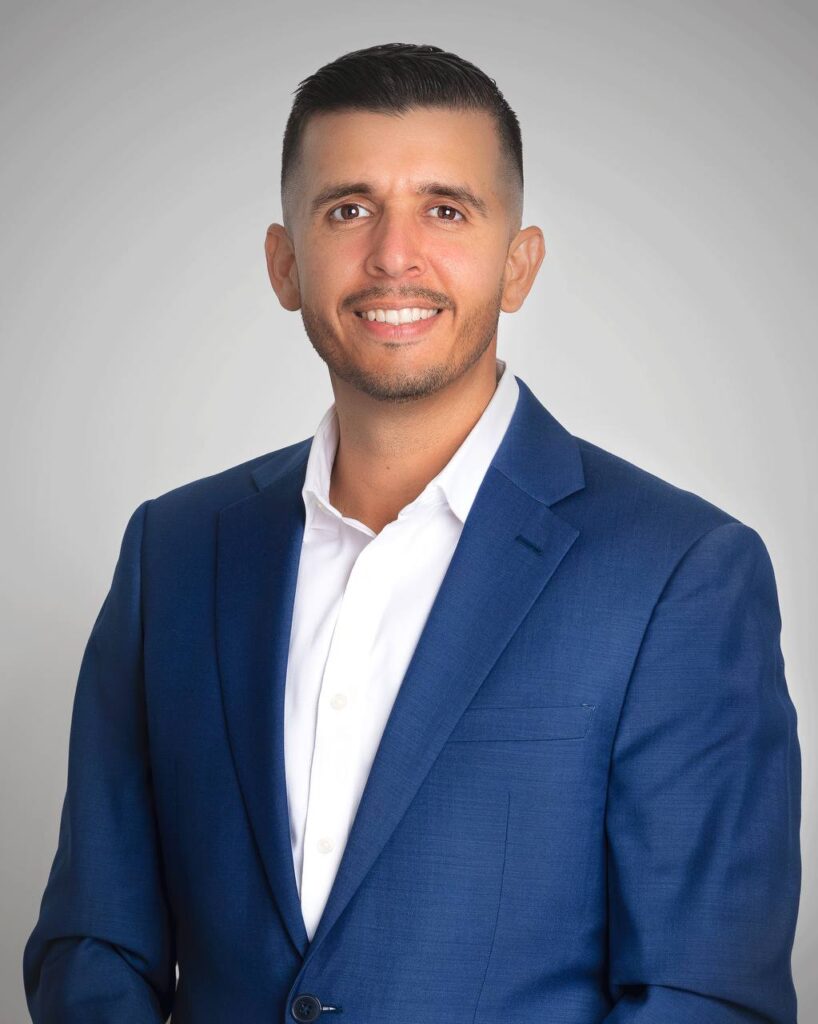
(456, 484)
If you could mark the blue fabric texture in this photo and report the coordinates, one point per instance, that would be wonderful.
(585, 807)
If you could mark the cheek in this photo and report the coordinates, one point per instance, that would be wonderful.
(469, 272)
(326, 275)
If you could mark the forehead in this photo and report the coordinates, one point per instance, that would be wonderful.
(392, 150)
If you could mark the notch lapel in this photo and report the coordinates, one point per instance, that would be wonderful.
(510, 546)
(259, 547)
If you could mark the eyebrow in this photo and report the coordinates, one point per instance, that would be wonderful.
(460, 193)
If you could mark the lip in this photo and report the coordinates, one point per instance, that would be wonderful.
(399, 332)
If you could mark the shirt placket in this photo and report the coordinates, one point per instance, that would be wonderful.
(338, 727)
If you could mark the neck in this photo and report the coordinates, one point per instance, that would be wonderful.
(389, 451)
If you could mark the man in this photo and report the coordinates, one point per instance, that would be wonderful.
(442, 713)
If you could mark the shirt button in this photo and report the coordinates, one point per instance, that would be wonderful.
(339, 701)
(325, 845)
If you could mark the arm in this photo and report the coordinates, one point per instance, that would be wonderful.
(102, 951)
(704, 801)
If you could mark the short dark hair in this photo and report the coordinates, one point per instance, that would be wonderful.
(393, 78)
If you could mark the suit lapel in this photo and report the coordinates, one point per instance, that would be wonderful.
(511, 544)
(259, 545)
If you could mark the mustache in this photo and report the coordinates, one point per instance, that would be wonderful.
(424, 294)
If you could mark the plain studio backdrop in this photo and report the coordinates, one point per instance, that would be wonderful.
(670, 162)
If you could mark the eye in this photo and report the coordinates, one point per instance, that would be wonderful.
(452, 210)
(346, 206)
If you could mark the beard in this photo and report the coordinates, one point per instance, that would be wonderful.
(474, 336)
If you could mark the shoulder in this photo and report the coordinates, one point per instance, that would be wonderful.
(201, 500)
(622, 487)
(642, 520)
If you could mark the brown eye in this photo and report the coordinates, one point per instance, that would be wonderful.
(346, 206)
(450, 209)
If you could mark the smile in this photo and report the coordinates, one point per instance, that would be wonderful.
(397, 316)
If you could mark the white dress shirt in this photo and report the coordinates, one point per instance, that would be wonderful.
(361, 602)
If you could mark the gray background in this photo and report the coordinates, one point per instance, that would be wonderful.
(669, 156)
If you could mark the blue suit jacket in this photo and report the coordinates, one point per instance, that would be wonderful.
(585, 807)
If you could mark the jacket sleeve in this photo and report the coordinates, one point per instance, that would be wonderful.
(704, 801)
(102, 950)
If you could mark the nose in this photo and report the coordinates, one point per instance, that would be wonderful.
(395, 249)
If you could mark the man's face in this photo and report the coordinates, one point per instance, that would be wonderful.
(364, 238)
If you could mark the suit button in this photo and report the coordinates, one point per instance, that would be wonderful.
(306, 1007)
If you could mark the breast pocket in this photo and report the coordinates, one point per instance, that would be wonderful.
(506, 724)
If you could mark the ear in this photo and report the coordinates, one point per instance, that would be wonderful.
(525, 254)
(281, 266)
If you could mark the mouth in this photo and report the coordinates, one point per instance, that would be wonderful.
(403, 326)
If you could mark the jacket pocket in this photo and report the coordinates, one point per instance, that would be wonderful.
(505, 724)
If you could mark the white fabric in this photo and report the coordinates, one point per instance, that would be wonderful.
(361, 602)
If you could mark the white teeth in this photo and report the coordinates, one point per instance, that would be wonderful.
(399, 316)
